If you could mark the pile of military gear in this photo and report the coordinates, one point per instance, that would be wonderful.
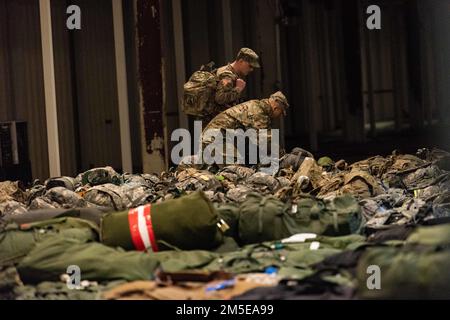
(317, 229)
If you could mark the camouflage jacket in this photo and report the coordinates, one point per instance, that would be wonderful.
(253, 114)
(226, 94)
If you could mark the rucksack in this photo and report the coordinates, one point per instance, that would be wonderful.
(199, 91)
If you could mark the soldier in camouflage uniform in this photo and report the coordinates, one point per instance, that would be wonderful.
(230, 83)
(254, 114)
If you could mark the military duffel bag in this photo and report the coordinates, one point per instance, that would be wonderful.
(410, 272)
(335, 216)
(267, 218)
(16, 241)
(51, 258)
(261, 219)
(230, 214)
(186, 223)
(90, 214)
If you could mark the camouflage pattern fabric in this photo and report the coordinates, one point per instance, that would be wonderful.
(12, 191)
(192, 179)
(198, 94)
(294, 159)
(239, 193)
(394, 193)
(65, 198)
(263, 182)
(99, 176)
(11, 207)
(42, 203)
(58, 197)
(254, 114)
(109, 196)
(66, 182)
(226, 94)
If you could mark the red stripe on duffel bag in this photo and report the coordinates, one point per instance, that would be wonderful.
(151, 233)
(134, 229)
(141, 228)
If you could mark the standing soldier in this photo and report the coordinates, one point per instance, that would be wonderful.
(209, 92)
(230, 83)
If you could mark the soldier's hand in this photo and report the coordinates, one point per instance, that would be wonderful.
(240, 85)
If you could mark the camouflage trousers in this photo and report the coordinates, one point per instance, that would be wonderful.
(222, 157)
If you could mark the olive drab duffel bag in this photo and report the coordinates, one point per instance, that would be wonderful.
(17, 240)
(187, 223)
(336, 216)
(265, 218)
(406, 273)
(50, 258)
(261, 219)
(199, 91)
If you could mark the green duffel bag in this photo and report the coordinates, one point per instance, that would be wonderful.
(412, 272)
(16, 241)
(261, 219)
(90, 214)
(51, 258)
(186, 223)
(230, 214)
(438, 236)
(337, 216)
(267, 218)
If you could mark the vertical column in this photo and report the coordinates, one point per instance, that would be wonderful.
(49, 87)
(414, 49)
(122, 90)
(366, 45)
(154, 144)
(352, 65)
(177, 16)
(311, 85)
(394, 23)
(441, 52)
(227, 29)
(6, 93)
(328, 69)
(279, 80)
